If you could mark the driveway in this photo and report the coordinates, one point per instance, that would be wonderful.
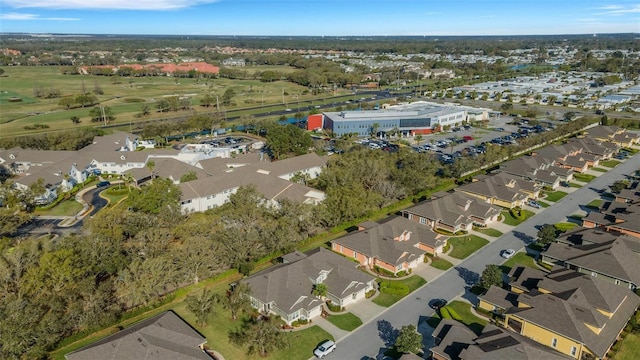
(378, 332)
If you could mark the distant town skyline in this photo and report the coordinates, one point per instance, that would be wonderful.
(317, 18)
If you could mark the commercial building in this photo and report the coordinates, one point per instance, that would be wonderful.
(407, 120)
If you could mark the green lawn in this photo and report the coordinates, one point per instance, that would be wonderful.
(565, 226)
(302, 342)
(610, 163)
(510, 220)
(574, 185)
(347, 322)
(464, 246)
(466, 316)
(386, 300)
(65, 208)
(595, 204)
(488, 231)
(584, 177)
(520, 258)
(114, 195)
(630, 349)
(440, 263)
(543, 204)
(599, 169)
(555, 196)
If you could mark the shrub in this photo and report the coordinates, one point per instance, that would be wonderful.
(446, 248)
(370, 293)
(516, 212)
(444, 313)
(334, 308)
(384, 272)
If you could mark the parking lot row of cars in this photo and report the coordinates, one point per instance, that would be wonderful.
(228, 141)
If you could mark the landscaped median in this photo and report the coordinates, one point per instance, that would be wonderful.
(391, 291)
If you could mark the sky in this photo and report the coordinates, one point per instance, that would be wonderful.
(321, 18)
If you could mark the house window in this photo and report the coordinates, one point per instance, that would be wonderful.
(354, 296)
(574, 350)
(423, 220)
(554, 342)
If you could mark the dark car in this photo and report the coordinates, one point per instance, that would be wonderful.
(103, 184)
(437, 303)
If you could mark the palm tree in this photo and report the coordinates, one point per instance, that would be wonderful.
(320, 290)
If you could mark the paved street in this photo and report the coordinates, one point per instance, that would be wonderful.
(372, 337)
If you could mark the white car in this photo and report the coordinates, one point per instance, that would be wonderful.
(508, 253)
(324, 349)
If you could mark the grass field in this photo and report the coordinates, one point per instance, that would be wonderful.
(543, 204)
(520, 258)
(464, 246)
(488, 231)
(564, 226)
(583, 177)
(126, 96)
(511, 221)
(347, 322)
(555, 196)
(598, 169)
(630, 349)
(386, 300)
(463, 309)
(65, 208)
(595, 204)
(610, 163)
(439, 263)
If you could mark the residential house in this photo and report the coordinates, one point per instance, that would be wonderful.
(454, 341)
(603, 150)
(597, 253)
(532, 168)
(575, 314)
(616, 217)
(233, 62)
(287, 288)
(630, 194)
(398, 244)
(164, 336)
(501, 189)
(614, 134)
(453, 212)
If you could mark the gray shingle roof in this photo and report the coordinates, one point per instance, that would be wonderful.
(379, 241)
(162, 337)
(287, 284)
(455, 341)
(573, 303)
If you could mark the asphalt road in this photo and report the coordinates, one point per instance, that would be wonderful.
(50, 224)
(370, 339)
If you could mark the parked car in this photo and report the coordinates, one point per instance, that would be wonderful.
(437, 303)
(534, 204)
(103, 184)
(508, 253)
(565, 184)
(324, 349)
